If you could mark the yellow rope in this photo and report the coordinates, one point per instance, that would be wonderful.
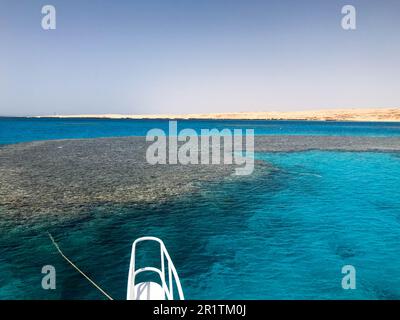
(79, 270)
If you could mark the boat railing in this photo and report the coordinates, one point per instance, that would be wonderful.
(172, 274)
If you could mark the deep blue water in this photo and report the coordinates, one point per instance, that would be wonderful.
(281, 235)
(14, 130)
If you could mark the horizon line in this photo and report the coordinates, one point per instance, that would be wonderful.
(338, 114)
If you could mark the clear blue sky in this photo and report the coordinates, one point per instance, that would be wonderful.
(170, 56)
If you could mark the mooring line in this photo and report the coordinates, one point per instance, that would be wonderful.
(79, 270)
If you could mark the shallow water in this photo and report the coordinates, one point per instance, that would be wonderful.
(285, 234)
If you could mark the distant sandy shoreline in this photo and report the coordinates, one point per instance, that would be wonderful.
(387, 114)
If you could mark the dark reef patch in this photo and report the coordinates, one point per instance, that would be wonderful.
(75, 176)
(327, 143)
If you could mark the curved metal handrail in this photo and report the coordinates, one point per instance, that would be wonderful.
(168, 290)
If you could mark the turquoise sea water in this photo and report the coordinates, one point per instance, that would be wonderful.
(14, 130)
(285, 234)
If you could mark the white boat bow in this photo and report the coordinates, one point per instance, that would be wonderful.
(151, 290)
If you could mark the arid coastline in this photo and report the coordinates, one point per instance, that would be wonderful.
(352, 114)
